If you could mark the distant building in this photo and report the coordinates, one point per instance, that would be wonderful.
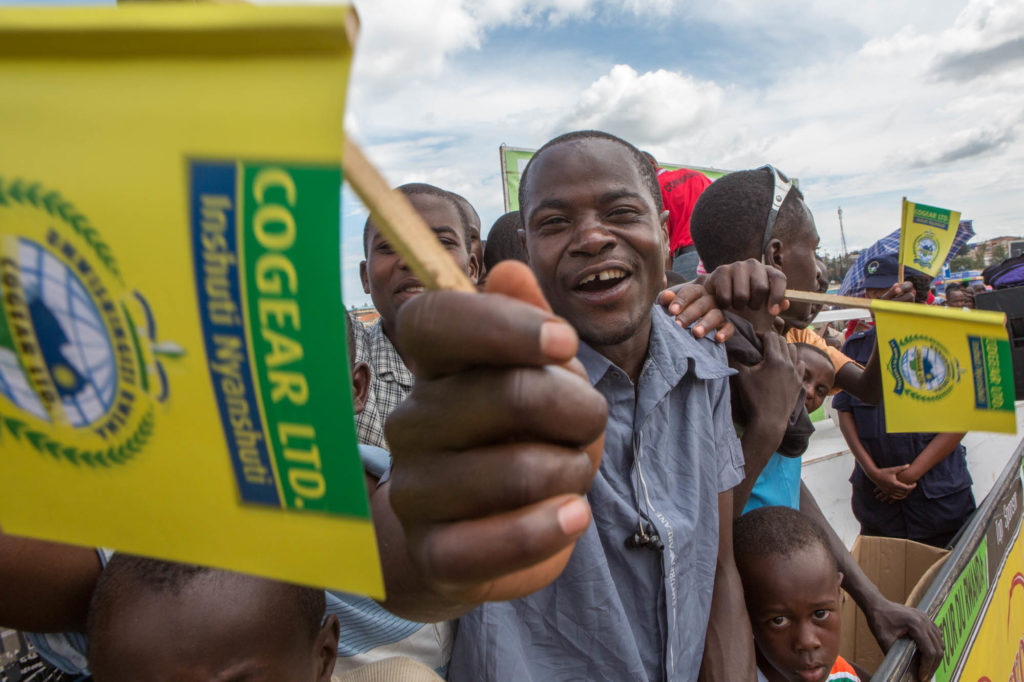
(367, 315)
(998, 249)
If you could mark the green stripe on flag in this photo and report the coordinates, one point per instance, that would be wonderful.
(292, 274)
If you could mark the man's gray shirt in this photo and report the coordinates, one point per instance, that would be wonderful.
(617, 613)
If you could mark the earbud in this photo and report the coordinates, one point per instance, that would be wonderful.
(645, 537)
(636, 540)
(654, 540)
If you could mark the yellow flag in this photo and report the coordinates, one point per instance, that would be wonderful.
(944, 369)
(173, 373)
(926, 236)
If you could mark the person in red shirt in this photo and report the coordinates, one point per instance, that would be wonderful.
(679, 192)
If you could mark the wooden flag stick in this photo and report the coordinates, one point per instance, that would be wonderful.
(397, 220)
(828, 299)
(903, 236)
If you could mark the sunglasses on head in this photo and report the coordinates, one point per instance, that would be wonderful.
(780, 190)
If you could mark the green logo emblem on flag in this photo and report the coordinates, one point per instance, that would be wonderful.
(71, 355)
(922, 368)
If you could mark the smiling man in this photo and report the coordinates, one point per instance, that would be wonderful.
(391, 284)
(484, 500)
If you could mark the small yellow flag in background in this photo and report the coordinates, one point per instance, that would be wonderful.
(944, 369)
(173, 373)
(926, 236)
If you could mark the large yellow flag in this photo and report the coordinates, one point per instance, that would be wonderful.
(944, 369)
(926, 236)
(173, 372)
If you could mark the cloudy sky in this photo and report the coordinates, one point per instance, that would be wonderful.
(865, 102)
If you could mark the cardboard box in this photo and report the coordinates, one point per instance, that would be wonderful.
(903, 570)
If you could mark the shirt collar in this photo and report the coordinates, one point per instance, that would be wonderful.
(672, 350)
(386, 360)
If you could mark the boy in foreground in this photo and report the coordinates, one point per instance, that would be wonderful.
(791, 582)
(153, 620)
(156, 621)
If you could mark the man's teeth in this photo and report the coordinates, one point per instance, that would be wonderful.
(614, 273)
(414, 290)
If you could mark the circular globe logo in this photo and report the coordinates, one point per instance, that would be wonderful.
(923, 368)
(73, 341)
(78, 377)
(926, 249)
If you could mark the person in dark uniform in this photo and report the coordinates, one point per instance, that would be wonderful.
(905, 485)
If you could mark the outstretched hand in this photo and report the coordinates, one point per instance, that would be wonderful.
(497, 443)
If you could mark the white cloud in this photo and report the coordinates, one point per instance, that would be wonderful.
(925, 104)
(646, 108)
(403, 39)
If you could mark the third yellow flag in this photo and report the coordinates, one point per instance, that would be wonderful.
(926, 236)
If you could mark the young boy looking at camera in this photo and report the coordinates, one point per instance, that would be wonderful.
(791, 583)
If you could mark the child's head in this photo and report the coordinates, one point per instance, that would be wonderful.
(153, 620)
(791, 584)
(505, 240)
(385, 274)
(956, 295)
(730, 223)
(819, 374)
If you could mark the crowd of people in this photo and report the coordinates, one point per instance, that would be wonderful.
(580, 473)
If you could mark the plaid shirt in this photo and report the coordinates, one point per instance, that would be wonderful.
(390, 384)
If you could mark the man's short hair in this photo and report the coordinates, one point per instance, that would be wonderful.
(411, 188)
(504, 241)
(647, 174)
(729, 218)
(810, 346)
(126, 576)
(776, 531)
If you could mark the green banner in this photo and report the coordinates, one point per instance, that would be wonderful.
(514, 160)
(959, 612)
